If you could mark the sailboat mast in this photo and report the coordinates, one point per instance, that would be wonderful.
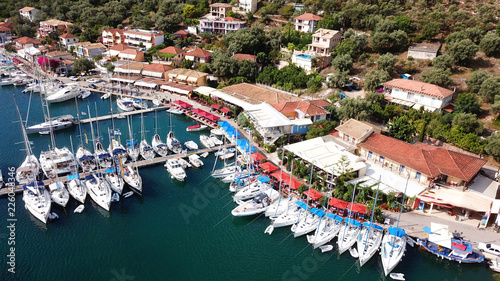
(373, 214)
(27, 147)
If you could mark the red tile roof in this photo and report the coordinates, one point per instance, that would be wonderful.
(200, 53)
(427, 159)
(4, 28)
(231, 19)
(181, 32)
(309, 16)
(120, 47)
(26, 40)
(114, 30)
(241, 57)
(306, 107)
(156, 67)
(67, 35)
(419, 87)
(171, 50)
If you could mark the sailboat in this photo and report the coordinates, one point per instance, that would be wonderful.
(131, 176)
(145, 149)
(115, 148)
(103, 158)
(76, 189)
(308, 223)
(370, 237)
(289, 217)
(159, 147)
(132, 148)
(115, 181)
(28, 171)
(172, 143)
(58, 193)
(326, 231)
(85, 158)
(99, 190)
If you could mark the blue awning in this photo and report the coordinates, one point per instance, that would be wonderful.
(353, 221)
(302, 205)
(399, 232)
(245, 146)
(110, 170)
(319, 213)
(427, 230)
(232, 133)
(378, 227)
(71, 177)
(104, 155)
(264, 179)
(335, 217)
(225, 125)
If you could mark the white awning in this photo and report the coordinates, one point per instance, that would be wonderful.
(173, 89)
(204, 90)
(192, 79)
(152, 73)
(181, 77)
(231, 99)
(127, 70)
(122, 79)
(145, 84)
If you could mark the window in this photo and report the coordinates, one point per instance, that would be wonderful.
(410, 95)
(381, 159)
(402, 169)
(417, 176)
(370, 154)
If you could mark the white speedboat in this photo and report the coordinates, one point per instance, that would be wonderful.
(400, 276)
(217, 132)
(196, 128)
(133, 150)
(174, 110)
(132, 178)
(393, 248)
(32, 89)
(308, 223)
(64, 94)
(326, 231)
(369, 241)
(260, 185)
(37, 200)
(58, 162)
(257, 205)
(175, 169)
(116, 183)
(115, 148)
(57, 123)
(140, 104)
(191, 145)
(159, 147)
(104, 159)
(76, 189)
(85, 159)
(216, 140)
(58, 193)
(225, 151)
(173, 144)
(228, 170)
(7, 81)
(206, 141)
(157, 102)
(105, 96)
(125, 104)
(84, 94)
(147, 151)
(195, 161)
(28, 171)
(99, 190)
(348, 234)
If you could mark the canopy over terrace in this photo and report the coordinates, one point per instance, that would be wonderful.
(183, 104)
(337, 203)
(206, 114)
(463, 199)
(268, 167)
(245, 146)
(285, 178)
(257, 157)
(149, 83)
(177, 88)
(357, 208)
(313, 194)
(230, 131)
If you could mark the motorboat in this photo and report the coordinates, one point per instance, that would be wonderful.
(257, 205)
(241, 174)
(228, 170)
(185, 164)
(159, 147)
(132, 178)
(308, 223)
(393, 248)
(191, 145)
(28, 171)
(147, 151)
(105, 96)
(354, 253)
(196, 128)
(85, 159)
(240, 182)
(133, 150)
(217, 131)
(104, 158)
(174, 110)
(225, 151)
(84, 94)
(76, 189)
(260, 185)
(125, 103)
(204, 154)
(494, 265)
(206, 141)
(7, 81)
(216, 140)
(58, 193)
(157, 102)
(128, 194)
(64, 94)
(37, 200)
(397, 276)
(140, 104)
(173, 144)
(195, 161)
(348, 234)
(33, 89)
(99, 190)
(58, 162)
(175, 169)
(369, 241)
(326, 231)
(115, 148)
(326, 248)
(79, 209)
(291, 216)
(116, 182)
(227, 156)
(56, 123)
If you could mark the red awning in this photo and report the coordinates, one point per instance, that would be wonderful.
(337, 203)
(357, 208)
(216, 106)
(268, 166)
(285, 178)
(313, 194)
(257, 157)
(183, 104)
(205, 114)
(225, 110)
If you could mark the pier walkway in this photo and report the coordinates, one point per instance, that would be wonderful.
(142, 163)
(122, 114)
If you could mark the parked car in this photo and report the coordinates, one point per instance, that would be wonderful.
(92, 80)
(73, 78)
(93, 86)
(356, 87)
(489, 248)
(347, 88)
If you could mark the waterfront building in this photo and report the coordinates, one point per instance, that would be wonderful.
(26, 43)
(89, 50)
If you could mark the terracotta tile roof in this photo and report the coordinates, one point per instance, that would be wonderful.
(259, 94)
(7, 24)
(67, 35)
(120, 47)
(325, 33)
(181, 32)
(4, 28)
(355, 128)
(55, 22)
(171, 50)
(221, 5)
(186, 72)
(232, 19)
(130, 51)
(304, 106)
(142, 33)
(320, 103)
(132, 65)
(419, 87)
(95, 46)
(156, 67)
(57, 54)
(114, 30)
(241, 57)
(427, 159)
(26, 40)
(26, 9)
(309, 16)
(200, 53)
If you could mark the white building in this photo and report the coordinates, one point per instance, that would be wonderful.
(423, 51)
(143, 39)
(68, 40)
(323, 42)
(28, 13)
(198, 56)
(112, 37)
(248, 5)
(48, 26)
(412, 93)
(307, 22)
(216, 21)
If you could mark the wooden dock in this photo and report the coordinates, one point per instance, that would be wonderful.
(142, 163)
(122, 114)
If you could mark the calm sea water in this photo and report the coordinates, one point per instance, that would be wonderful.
(176, 231)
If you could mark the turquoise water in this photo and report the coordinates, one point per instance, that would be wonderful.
(304, 56)
(176, 231)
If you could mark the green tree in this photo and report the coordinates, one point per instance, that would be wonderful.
(83, 65)
(387, 62)
(493, 146)
(337, 79)
(190, 12)
(467, 103)
(314, 83)
(374, 78)
(490, 88)
(467, 122)
(495, 107)
(430, 30)
(403, 129)
(437, 76)
(188, 64)
(462, 51)
(356, 108)
(352, 45)
(456, 36)
(476, 80)
(342, 62)
(403, 23)
(490, 44)
(443, 62)
(332, 21)
(247, 69)
(320, 128)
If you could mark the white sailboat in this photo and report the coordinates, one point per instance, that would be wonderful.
(58, 193)
(76, 189)
(99, 190)
(173, 144)
(132, 147)
(131, 176)
(158, 145)
(85, 159)
(115, 148)
(257, 205)
(28, 171)
(348, 234)
(104, 158)
(260, 185)
(291, 216)
(58, 162)
(115, 181)
(326, 231)
(308, 223)
(369, 241)
(147, 151)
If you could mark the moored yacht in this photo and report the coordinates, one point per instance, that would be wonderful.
(369, 241)
(132, 178)
(104, 159)
(28, 171)
(133, 150)
(37, 200)
(326, 231)
(175, 169)
(64, 94)
(308, 223)
(280, 206)
(195, 160)
(99, 190)
(393, 248)
(260, 185)
(58, 193)
(173, 144)
(57, 123)
(257, 205)
(291, 215)
(76, 188)
(85, 159)
(206, 141)
(57, 162)
(348, 234)
(147, 151)
(191, 145)
(159, 147)
(115, 182)
(125, 103)
(115, 148)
